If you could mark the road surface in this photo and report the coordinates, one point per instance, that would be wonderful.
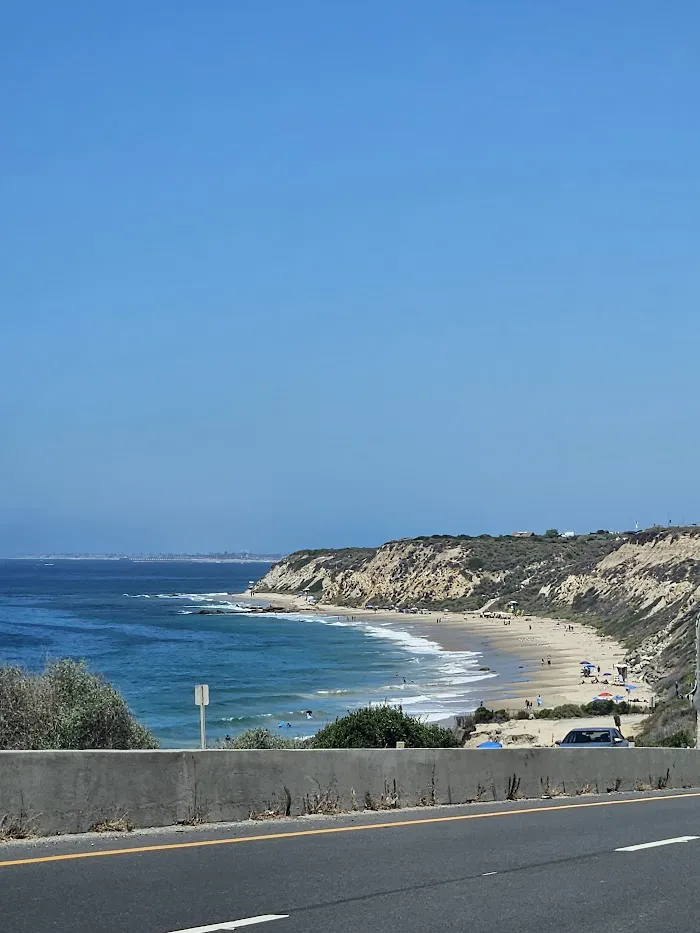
(623, 863)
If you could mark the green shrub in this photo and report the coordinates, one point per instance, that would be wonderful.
(572, 711)
(605, 708)
(482, 714)
(680, 739)
(672, 721)
(382, 727)
(65, 706)
(260, 738)
(567, 711)
(522, 714)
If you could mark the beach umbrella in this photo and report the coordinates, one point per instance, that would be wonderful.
(630, 687)
(603, 696)
(490, 745)
(607, 674)
(618, 698)
(586, 664)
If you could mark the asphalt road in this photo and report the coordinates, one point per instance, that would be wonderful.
(548, 866)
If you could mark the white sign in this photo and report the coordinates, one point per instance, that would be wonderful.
(201, 695)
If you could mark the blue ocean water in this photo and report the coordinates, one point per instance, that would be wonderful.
(138, 623)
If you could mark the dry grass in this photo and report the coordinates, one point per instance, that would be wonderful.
(266, 814)
(12, 828)
(118, 824)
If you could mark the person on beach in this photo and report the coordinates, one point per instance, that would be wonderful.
(539, 700)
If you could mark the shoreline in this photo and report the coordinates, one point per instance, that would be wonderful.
(547, 651)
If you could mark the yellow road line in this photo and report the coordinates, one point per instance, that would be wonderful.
(340, 829)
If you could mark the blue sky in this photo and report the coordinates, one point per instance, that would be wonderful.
(276, 275)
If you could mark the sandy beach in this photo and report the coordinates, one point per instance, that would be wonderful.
(548, 652)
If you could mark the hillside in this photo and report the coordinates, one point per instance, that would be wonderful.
(641, 587)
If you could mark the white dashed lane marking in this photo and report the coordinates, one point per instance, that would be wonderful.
(655, 845)
(234, 924)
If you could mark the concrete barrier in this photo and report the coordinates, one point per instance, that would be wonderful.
(70, 791)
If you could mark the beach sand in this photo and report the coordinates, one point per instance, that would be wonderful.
(530, 733)
(528, 640)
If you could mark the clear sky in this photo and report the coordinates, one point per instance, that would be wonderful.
(281, 274)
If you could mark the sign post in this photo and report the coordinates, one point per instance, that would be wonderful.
(201, 699)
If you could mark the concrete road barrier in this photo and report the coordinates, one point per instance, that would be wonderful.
(51, 792)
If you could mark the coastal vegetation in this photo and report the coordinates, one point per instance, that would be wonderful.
(261, 739)
(65, 706)
(482, 715)
(670, 725)
(382, 727)
(368, 727)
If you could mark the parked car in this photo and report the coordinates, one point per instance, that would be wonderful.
(594, 738)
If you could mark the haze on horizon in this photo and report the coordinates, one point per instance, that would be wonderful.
(320, 276)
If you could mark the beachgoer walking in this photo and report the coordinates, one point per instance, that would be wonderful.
(539, 700)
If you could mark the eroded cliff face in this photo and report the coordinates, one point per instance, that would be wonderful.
(642, 588)
(399, 573)
(646, 592)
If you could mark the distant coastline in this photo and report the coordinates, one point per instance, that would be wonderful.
(160, 558)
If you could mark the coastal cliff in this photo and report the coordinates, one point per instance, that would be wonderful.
(642, 588)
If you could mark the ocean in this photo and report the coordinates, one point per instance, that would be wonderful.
(138, 624)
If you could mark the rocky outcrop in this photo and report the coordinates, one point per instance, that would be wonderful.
(643, 588)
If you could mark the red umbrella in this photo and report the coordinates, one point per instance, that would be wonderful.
(604, 696)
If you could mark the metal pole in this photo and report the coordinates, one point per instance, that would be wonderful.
(202, 726)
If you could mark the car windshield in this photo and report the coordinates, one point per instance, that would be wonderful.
(587, 737)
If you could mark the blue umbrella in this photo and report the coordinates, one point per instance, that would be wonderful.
(630, 687)
(490, 745)
(586, 664)
(618, 698)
